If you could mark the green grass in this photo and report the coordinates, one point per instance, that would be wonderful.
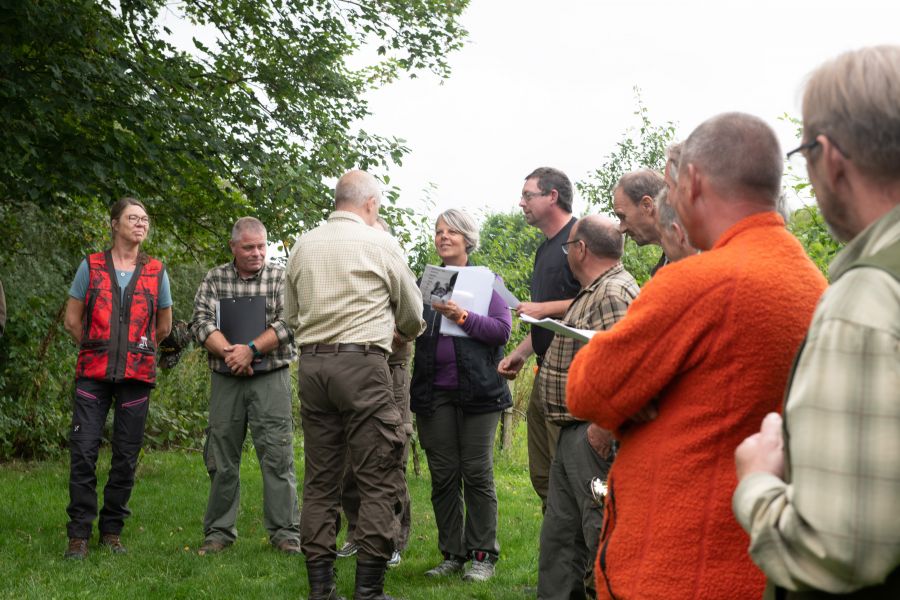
(166, 528)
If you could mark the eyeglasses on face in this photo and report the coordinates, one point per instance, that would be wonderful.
(807, 146)
(135, 219)
(802, 148)
(565, 245)
(528, 196)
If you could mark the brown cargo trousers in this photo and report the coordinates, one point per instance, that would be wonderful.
(347, 400)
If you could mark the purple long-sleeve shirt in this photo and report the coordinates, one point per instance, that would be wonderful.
(491, 330)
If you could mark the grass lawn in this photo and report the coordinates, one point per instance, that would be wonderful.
(166, 528)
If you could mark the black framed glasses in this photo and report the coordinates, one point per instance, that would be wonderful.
(565, 245)
(807, 146)
(528, 196)
(802, 148)
(135, 219)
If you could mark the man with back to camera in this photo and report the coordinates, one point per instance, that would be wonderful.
(547, 204)
(349, 290)
(819, 492)
(243, 395)
(571, 528)
(709, 342)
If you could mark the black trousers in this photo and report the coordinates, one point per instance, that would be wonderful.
(90, 406)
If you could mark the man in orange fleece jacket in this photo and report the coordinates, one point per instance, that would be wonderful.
(706, 348)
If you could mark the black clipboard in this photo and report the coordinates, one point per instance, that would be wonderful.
(241, 320)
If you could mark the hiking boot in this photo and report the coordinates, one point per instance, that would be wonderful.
(77, 550)
(479, 570)
(112, 542)
(449, 566)
(288, 546)
(212, 547)
(394, 560)
(348, 549)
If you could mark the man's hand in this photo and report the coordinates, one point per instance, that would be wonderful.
(762, 452)
(536, 310)
(398, 341)
(239, 359)
(648, 413)
(600, 440)
(510, 366)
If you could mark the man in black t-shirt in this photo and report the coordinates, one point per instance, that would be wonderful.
(547, 203)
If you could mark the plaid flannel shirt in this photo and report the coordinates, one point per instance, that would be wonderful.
(598, 306)
(833, 524)
(225, 282)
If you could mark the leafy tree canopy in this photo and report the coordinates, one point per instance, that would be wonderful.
(97, 101)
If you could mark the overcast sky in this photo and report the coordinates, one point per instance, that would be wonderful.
(550, 83)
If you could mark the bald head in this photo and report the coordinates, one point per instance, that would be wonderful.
(354, 188)
(740, 156)
(601, 236)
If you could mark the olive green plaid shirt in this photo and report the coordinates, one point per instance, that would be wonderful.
(598, 307)
(225, 282)
(834, 524)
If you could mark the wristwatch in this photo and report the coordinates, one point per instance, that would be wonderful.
(462, 318)
(256, 353)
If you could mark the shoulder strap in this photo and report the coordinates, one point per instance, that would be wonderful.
(886, 259)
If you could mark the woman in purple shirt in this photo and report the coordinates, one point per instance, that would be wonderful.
(458, 397)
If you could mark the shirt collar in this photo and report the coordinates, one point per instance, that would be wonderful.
(616, 268)
(346, 215)
(256, 275)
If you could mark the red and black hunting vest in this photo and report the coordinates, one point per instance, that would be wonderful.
(118, 339)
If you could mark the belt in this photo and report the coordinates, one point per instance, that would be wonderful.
(335, 348)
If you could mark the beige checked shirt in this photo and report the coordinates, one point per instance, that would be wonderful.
(834, 525)
(349, 283)
(598, 306)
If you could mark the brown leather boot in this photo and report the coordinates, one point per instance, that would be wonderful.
(113, 543)
(77, 550)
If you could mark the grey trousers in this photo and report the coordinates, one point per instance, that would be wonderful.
(570, 533)
(347, 400)
(542, 441)
(264, 402)
(460, 452)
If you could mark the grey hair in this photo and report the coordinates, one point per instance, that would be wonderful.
(355, 187)
(854, 99)
(739, 153)
(246, 224)
(463, 223)
(665, 212)
(673, 160)
(640, 183)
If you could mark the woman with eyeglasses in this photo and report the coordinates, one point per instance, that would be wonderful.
(119, 306)
(458, 396)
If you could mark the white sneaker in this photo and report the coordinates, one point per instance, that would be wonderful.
(449, 566)
(479, 570)
(348, 549)
(395, 559)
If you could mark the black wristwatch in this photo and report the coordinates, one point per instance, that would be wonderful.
(256, 352)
